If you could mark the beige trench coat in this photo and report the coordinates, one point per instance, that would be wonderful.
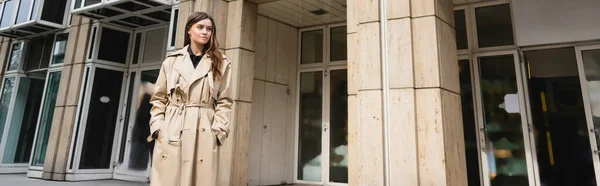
(191, 110)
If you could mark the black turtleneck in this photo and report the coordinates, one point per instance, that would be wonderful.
(195, 58)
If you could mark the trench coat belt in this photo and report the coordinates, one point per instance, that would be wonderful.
(183, 106)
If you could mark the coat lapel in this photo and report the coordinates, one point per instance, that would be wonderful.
(202, 69)
(186, 68)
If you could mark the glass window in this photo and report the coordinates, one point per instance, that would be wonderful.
(34, 51)
(113, 45)
(15, 56)
(174, 27)
(591, 66)
(502, 120)
(81, 110)
(154, 46)
(46, 119)
(54, 11)
(23, 12)
(5, 102)
(338, 116)
(7, 13)
(21, 127)
(92, 42)
(36, 4)
(91, 2)
(309, 142)
(136, 49)
(494, 26)
(312, 47)
(461, 30)
(469, 126)
(101, 120)
(60, 47)
(338, 43)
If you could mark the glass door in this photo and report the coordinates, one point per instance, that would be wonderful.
(504, 133)
(322, 142)
(95, 134)
(134, 151)
(588, 59)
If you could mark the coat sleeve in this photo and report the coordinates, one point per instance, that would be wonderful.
(222, 118)
(159, 100)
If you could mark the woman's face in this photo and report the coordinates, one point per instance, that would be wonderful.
(201, 32)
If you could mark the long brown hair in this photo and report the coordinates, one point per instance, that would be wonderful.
(212, 47)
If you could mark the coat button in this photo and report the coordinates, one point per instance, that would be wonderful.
(203, 129)
(201, 160)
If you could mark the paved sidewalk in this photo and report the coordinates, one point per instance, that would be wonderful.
(23, 180)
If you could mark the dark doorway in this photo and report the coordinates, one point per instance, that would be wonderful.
(564, 155)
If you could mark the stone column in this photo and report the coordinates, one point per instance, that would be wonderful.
(240, 49)
(426, 144)
(59, 142)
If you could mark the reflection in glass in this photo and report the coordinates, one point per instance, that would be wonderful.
(23, 12)
(505, 143)
(7, 12)
(338, 43)
(461, 30)
(101, 120)
(468, 114)
(21, 127)
(312, 47)
(113, 45)
(15, 56)
(47, 115)
(591, 66)
(309, 142)
(338, 119)
(140, 149)
(494, 26)
(60, 46)
(5, 102)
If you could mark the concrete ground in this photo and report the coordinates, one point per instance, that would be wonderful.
(23, 180)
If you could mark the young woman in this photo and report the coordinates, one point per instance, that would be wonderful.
(191, 109)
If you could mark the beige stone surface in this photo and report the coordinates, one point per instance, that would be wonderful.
(271, 49)
(185, 10)
(439, 8)
(456, 164)
(81, 46)
(242, 143)
(4, 48)
(353, 62)
(354, 163)
(71, 46)
(281, 53)
(403, 137)
(351, 17)
(398, 9)
(75, 84)
(260, 63)
(368, 11)
(430, 137)
(447, 57)
(242, 73)
(75, 21)
(241, 24)
(371, 129)
(370, 56)
(425, 52)
(400, 60)
(64, 142)
(65, 79)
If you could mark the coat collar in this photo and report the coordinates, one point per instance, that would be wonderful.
(184, 65)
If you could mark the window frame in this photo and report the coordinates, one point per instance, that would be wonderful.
(473, 27)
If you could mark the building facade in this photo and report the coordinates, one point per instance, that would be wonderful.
(326, 92)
